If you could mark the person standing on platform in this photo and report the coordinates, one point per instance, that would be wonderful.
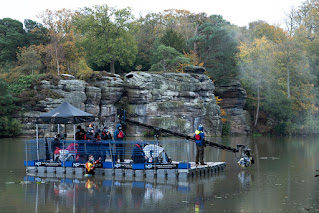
(118, 138)
(106, 141)
(200, 145)
(79, 135)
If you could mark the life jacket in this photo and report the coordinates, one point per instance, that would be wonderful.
(140, 148)
(120, 135)
(89, 166)
(197, 136)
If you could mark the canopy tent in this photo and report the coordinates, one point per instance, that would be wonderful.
(65, 114)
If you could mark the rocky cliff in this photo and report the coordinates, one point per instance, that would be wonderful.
(233, 97)
(174, 101)
(171, 100)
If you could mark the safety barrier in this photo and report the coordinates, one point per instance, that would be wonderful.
(45, 152)
(139, 158)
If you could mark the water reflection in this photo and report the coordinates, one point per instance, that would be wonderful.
(115, 194)
(199, 201)
(281, 180)
(245, 178)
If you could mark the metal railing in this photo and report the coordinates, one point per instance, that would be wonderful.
(45, 150)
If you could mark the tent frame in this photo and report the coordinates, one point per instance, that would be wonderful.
(75, 116)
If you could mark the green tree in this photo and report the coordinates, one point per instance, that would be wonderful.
(150, 29)
(107, 36)
(12, 36)
(36, 33)
(167, 59)
(174, 39)
(217, 47)
(261, 29)
(29, 60)
(257, 63)
(8, 125)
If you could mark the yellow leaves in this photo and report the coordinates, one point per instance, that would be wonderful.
(304, 98)
(223, 112)
(85, 72)
(258, 49)
(224, 120)
(218, 100)
(194, 61)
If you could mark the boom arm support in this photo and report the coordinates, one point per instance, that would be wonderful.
(157, 129)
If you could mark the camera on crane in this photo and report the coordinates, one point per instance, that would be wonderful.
(246, 160)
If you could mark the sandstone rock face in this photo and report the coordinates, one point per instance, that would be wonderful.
(233, 97)
(175, 101)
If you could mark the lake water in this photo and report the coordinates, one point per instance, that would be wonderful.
(281, 180)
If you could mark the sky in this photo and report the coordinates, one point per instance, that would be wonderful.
(238, 12)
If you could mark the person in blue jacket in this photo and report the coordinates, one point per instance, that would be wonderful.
(118, 138)
(138, 155)
(200, 145)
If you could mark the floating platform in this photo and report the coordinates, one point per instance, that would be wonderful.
(127, 169)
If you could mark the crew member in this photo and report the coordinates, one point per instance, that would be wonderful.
(119, 137)
(106, 135)
(56, 144)
(200, 145)
(106, 140)
(90, 165)
(138, 155)
(89, 134)
(79, 135)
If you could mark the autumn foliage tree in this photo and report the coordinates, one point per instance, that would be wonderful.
(107, 36)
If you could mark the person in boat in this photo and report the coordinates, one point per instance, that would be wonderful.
(97, 144)
(89, 134)
(119, 138)
(97, 135)
(90, 165)
(79, 135)
(106, 138)
(200, 145)
(56, 144)
(138, 155)
(106, 135)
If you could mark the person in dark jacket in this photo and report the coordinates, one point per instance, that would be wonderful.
(106, 141)
(97, 144)
(200, 145)
(138, 155)
(118, 138)
(55, 143)
(79, 135)
(89, 134)
(106, 135)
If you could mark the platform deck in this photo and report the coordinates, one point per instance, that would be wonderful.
(193, 170)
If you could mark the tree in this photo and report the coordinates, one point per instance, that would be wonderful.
(173, 39)
(257, 62)
(107, 36)
(193, 61)
(61, 52)
(12, 36)
(29, 60)
(217, 47)
(167, 59)
(36, 33)
(261, 29)
(8, 125)
(149, 30)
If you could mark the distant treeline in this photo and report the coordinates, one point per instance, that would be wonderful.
(278, 67)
